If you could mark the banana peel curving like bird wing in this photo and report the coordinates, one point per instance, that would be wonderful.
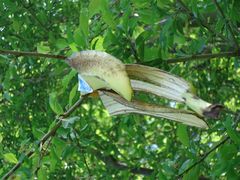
(103, 71)
(166, 85)
(162, 84)
(117, 105)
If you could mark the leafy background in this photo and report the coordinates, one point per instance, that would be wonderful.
(33, 91)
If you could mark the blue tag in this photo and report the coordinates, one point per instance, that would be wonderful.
(83, 86)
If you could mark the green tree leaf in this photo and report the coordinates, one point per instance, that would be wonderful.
(10, 157)
(54, 104)
(182, 134)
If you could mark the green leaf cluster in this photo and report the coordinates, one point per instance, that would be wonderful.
(34, 91)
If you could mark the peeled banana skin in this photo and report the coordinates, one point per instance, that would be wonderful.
(105, 72)
(102, 71)
(171, 87)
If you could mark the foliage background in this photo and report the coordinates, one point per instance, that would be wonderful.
(93, 145)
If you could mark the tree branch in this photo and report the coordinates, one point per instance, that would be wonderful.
(51, 133)
(227, 23)
(111, 162)
(194, 57)
(204, 156)
(34, 54)
(154, 62)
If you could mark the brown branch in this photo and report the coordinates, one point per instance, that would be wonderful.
(204, 156)
(51, 133)
(111, 162)
(194, 57)
(154, 62)
(34, 54)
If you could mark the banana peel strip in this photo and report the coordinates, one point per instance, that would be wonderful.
(116, 105)
(164, 84)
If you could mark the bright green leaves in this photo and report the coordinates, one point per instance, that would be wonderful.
(83, 21)
(107, 14)
(33, 91)
(43, 48)
(54, 103)
(61, 43)
(94, 7)
(82, 32)
(232, 133)
(10, 157)
(80, 38)
(97, 43)
(182, 135)
(67, 78)
(72, 94)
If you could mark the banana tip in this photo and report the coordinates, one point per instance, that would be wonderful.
(213, 111)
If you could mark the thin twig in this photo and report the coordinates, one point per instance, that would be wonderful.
(153, 62)
(111, 162)
(34, 54)
(194, 58)
(227, 23)
(204, 156)
(51, 133)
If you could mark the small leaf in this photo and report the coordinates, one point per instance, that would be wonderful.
(72, 94)
(193, 174)
(230, 131)
(68, 78)
(107, 14)
(83, 21)
(54, 104)
(94, 7)
(41, 48)
(80, 38)
(97, 43)
(183, 134)
(185, 165)
(61, 43)
(10, 157)
(42, 173)
(69, 121)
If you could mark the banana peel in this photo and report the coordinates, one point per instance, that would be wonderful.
(101, 71)
(163, 84)
(116, 105)
(171, 87)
